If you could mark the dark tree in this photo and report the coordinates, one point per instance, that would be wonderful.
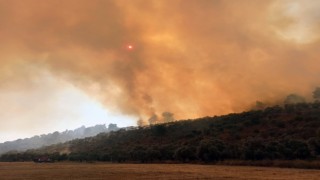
(112, 127)
(316, 93)
(185, 154)
(167, 117)
(294, 99)
(159, 130)
(153, 119)
(210, 150)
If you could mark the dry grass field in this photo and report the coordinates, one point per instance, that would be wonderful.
(29, 170)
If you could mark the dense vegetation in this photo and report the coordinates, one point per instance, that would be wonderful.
(275, 133)
(54, 138)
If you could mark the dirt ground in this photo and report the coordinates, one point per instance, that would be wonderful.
(30, 170)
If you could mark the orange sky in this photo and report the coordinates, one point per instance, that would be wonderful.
(192, 58)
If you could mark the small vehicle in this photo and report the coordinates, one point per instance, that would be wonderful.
(43, 160)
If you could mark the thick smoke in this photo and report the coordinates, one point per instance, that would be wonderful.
(193, 58)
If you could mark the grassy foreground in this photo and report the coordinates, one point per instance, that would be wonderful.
(29, 170)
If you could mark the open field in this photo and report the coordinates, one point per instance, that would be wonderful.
(30, 170)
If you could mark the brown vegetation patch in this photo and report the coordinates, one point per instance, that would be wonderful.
(27, 171)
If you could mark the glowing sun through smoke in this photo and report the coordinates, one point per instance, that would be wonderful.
(130, 47)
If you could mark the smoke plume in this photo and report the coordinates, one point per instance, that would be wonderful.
(193, 58)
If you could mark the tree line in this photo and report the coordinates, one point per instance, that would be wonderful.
(275, 133)
(54, 138)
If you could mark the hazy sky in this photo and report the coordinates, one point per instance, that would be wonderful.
(66, 63)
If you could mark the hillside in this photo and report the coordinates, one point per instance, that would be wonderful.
(54, 138)
(275, 133)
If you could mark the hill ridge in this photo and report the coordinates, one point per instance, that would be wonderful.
(274, 133)
(54, 138)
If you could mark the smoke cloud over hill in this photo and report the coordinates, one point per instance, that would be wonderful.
(192, 58)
